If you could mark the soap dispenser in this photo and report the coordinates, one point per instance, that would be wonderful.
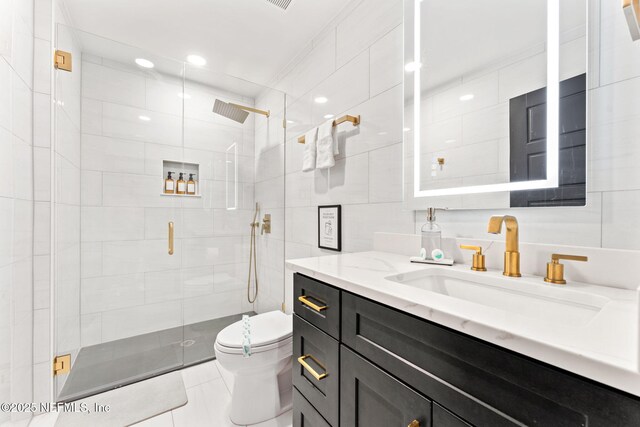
(191, 185)
(182, 186)
(169, 184)
(432, 236)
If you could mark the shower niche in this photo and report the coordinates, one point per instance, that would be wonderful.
(187, 170)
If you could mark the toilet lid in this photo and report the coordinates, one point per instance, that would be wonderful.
(266, 328)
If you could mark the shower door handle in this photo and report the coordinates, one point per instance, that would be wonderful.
(170, 237)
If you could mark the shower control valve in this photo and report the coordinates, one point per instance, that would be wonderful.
(266, 224)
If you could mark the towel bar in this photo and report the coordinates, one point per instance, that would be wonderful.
(353, 119)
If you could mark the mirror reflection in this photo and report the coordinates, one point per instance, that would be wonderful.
(483, 82)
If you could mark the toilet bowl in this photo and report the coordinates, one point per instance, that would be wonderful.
(262, 382)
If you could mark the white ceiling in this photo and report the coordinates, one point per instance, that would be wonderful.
(252, 39)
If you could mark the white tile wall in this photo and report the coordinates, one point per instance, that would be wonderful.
(127, 274)
(613, 176)
(17, 315)
(357, 64)
(372, 29)
(478, 129)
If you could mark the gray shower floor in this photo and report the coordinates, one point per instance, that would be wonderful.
(113, 364)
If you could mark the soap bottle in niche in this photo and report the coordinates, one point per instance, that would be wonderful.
(182, 186)
(191, 185)
(432, 236)
(169, 184)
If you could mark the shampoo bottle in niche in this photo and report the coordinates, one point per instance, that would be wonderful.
(181, 185)
(432, 237)
(169, 184)
(191, 184)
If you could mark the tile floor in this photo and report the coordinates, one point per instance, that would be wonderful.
(209, 392)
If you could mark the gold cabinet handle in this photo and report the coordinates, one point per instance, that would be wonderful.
(171, 238)
(414, 423)
(555, 270)
(305, 365)
(304, 299)
(478, 257)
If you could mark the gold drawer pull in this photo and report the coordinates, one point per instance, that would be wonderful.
(303, 362)
(303, 299)
(414, 423)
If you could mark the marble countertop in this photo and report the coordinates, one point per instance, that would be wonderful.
(604, 348)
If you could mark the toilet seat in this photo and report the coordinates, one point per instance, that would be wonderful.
(268, 331)
(254, 349)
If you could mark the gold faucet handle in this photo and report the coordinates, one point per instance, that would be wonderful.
(558, 257)
(555, 270)
(478, 258)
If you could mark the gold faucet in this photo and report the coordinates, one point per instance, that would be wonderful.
(511, 254)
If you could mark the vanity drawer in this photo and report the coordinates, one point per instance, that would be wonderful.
(372, 398)
(316, 371)
(305, 415)
(501, 388)
(317, 303)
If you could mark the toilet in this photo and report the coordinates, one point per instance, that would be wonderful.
(262, 382)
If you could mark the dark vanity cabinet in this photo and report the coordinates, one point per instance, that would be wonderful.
(360, 363)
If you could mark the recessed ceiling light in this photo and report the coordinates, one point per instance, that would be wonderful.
(406, 129)
(196, 60)
(144, 118)
(144, 63)
(184, 95)
(412, 66)
(290, 122)
(467, 97)
(328, 116)
(320, 100)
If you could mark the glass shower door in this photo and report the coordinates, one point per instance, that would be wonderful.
(118, 287)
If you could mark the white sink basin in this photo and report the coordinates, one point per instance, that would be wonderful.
(522, 296)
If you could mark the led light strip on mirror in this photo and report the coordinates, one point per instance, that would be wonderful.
(553, 101)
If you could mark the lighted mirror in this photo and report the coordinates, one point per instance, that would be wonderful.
(485, 81)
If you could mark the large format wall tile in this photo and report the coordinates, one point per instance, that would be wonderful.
(386, 61)
(367, 23)
(112, 155)
(620, 211)
(108, 224)
(614, 118)
(112, 85)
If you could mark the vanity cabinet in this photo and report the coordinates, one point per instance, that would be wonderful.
(395, 369)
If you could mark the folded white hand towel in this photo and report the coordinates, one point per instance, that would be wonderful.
(327, 145)
(309, 155)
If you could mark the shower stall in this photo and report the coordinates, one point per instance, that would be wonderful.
(144, 278)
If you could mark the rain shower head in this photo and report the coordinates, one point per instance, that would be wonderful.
(235, 112)
(283, 4)
(229, 111)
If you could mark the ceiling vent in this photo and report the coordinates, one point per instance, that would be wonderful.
(283, 4)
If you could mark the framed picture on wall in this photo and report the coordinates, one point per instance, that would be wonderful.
(330, 227)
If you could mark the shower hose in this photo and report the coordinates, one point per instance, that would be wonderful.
(253, 257)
